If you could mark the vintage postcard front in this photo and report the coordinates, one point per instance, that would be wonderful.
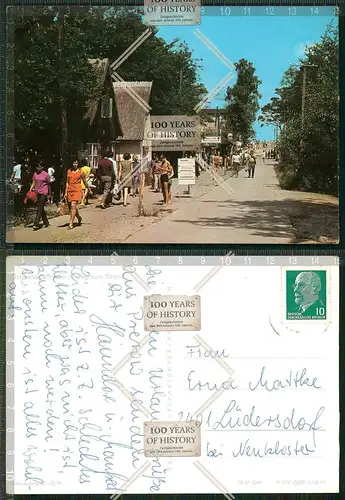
(167, 122)
(245, 403)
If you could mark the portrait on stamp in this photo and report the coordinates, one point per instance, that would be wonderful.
(306, 295)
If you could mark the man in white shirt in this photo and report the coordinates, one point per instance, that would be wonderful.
(111, 158)
(16, 177)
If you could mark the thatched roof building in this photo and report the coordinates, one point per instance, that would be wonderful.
(131, 99)
(116, 115)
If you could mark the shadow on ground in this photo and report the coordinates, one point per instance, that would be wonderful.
(311, 219)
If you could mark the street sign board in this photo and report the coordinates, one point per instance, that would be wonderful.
(171, 13)
(186, 171)
(172, 133)
(211, 140)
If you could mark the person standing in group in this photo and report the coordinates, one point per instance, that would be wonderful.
(125, 176)
(246, 156)
(236, 162)
(26, 180)
(85, 187)
(74, 191)
(167, 172)
(228, 161)
(211, 160)
(16, 177)
(41, 186)
(216, 161)
(135, 175)
(263, 156)
(110, 155)
(151, 169)
(156, 175)
(106, 175)
(26, 176)
(251, 162)
(51, 173)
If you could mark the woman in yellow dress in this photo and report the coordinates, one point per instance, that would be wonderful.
(87, 171)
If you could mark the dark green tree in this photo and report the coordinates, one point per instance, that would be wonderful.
(242, 100)
(102, 32)
(309, 148)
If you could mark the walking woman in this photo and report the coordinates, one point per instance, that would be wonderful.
(41, 186)
(125, 176)
(74, 191)
(167, 172)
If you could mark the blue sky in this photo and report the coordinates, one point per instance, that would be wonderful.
(271, 43)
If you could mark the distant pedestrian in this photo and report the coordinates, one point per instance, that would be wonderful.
(125, 176)
(263, 156)
(41, 186)
(51, 173)
(251, 162)
(135, 175)
(16, 178)
(197, 168)
(216, 161)
(236, 163)
(228, 161)
(156, 176)
(106, 177)
(74, 191)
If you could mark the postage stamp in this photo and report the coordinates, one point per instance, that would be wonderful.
(306, 294)
(172, 312)
(172, 439)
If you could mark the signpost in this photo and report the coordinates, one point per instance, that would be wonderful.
(172, 133)
(171, 13)
(186, 172)
(211, 140)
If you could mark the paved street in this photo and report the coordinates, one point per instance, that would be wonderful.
(239, 210)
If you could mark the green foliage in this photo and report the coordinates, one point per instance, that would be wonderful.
(243, 101)
(100, 33)
(309, 152)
